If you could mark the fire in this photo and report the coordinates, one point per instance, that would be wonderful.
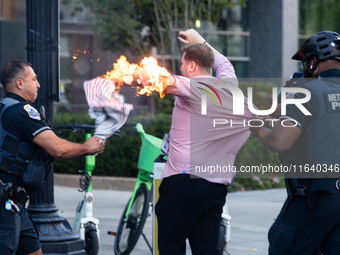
(147, 77)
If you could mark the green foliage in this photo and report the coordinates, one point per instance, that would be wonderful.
(66, 118)
(257, 183)
(319, 15)
(163, 105)
(120, 24)
(121, 152)
(262, 91)
(139, 24)
(253, 153)
(117, 23)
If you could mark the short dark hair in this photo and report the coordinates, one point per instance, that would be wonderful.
(11, 70)
(201, 54)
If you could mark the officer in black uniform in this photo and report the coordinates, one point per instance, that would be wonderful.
(309, 222)
(26, 144)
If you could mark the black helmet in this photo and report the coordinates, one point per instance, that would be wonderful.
(322, 45)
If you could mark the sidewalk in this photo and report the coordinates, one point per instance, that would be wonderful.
(252, 214)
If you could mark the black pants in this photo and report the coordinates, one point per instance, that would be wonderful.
(189, 208)
(308, 225)
(17, 232)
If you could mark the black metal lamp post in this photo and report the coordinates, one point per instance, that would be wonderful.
(56, 235)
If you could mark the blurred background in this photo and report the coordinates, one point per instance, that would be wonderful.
(258, 36)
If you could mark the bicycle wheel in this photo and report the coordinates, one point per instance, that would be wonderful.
(91, 240)
(129, 230)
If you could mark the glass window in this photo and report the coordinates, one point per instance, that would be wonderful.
(318, 15)
(229, 35)
(13, 9)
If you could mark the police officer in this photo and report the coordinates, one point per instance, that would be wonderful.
(26, 143)
(309, 222)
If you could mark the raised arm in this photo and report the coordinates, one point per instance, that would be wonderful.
(179, 85)
(222, 66)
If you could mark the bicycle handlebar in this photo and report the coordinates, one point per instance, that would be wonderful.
(130, 125)
(75, 127)
(90, 127)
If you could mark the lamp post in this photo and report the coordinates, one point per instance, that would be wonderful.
(55, 234)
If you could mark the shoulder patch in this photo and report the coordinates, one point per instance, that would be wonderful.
(32, 112)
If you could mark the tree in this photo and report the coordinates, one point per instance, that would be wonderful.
(319, 15)
(141, 25)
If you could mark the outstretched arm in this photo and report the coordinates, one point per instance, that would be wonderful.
(279, 138)
(62, 149)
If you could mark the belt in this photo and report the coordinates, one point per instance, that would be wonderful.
(323, 184)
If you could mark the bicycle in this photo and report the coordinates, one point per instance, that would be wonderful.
(85, 224)
(136, 211)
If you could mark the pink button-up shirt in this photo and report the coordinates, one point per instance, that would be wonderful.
(196, 145)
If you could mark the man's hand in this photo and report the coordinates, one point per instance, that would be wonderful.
(95, 145)
(135, 80)
(190, 36)
(141, 79)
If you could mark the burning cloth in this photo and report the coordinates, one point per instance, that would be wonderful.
(106, 106)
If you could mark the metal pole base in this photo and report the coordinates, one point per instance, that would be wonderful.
(55, 233)
(74, 247)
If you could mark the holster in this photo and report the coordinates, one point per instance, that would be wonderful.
(19, 195)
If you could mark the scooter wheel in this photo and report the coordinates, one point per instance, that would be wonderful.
(91, 240)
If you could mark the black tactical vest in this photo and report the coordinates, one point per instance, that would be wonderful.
(13, 153)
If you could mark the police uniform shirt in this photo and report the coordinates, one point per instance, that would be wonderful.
(320, 131)
(23, 121)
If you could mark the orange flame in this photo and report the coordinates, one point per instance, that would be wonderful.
(148, 76)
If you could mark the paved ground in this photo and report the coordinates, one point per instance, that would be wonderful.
(252, 214)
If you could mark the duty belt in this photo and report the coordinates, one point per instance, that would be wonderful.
(324, 184)
(19, 195)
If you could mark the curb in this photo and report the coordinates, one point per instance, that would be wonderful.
(98, 182)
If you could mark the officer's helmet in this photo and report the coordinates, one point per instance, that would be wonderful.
(322, 45)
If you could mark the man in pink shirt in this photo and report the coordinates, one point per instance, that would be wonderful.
(203, 145)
